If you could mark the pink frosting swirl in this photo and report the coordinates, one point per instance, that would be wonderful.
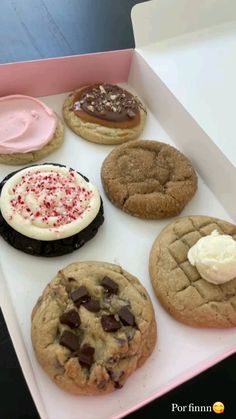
(26, 124)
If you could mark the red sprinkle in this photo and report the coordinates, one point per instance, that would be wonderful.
(58, 196)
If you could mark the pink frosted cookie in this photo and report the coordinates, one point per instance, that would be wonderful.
(29, 130)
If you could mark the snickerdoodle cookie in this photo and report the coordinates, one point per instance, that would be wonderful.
(92, 327)
(180, 287)
(148, 179)
(104, 114)
(29, 130)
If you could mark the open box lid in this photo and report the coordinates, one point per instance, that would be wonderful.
(191, 46)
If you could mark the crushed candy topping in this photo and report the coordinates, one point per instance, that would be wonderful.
(53, 198)
(107, 101)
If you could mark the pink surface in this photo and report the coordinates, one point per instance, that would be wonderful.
(58, 75)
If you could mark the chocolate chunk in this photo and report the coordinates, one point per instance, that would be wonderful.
(115, 377)
(130, 113)
(92, 305)
(126, 317)
(109, 285)
(71, 318)
(102, 384)
(86, 356)
(80, 296)
(131, 334)
(110, 324)
(117, 385)
(69, 340)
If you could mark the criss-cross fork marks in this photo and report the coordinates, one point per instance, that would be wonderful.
(190, 273)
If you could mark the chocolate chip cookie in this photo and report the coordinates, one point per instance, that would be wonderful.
(104, 114)
(179, 286)
(92, 327)
(148, 179)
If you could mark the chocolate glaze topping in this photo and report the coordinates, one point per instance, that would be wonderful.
(108, 102)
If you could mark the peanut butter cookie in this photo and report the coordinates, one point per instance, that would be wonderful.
(179, 286)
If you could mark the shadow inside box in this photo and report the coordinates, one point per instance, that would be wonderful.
(215, 384)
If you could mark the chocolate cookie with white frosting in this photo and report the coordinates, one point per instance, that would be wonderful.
(48, 210)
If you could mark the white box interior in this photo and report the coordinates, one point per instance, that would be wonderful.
(192, 52)
(124, 240)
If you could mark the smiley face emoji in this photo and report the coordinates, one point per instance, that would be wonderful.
(218, 407)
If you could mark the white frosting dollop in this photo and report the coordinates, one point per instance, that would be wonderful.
(48, 202)
(214, 257)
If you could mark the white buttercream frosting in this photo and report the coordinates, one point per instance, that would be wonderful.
(214, 257)
(47, 202)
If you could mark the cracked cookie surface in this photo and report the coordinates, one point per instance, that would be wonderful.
(179, 286)
(148, 179)
(92, 327)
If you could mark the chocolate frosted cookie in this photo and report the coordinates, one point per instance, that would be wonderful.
(48, 210)
(104, 114)
(148, 179)
(193, 271)
(92, 327)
